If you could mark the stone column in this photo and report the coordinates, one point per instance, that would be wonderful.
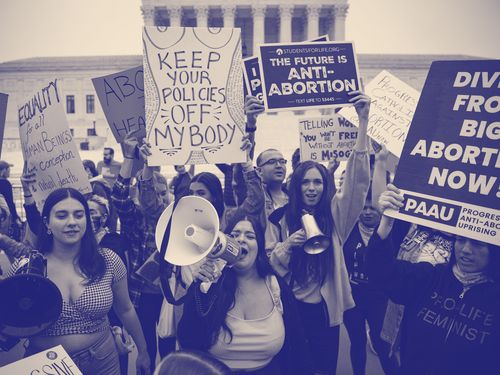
(339, 21)
(148, 14)
(259, 16)
(313, 12)
(175, 14)
(228, 13)
(201, 16)
(286, 12)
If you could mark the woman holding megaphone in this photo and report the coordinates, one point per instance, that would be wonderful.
(319, 278)
(90, 280)
(248, 319)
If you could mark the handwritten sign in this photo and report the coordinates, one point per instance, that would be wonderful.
(326, 138)
(3, 113)
(194, 95)
(449, 168)
(122, 99)
(51, 361)
(47, 144)
(312, 75)
(251, 72)
(391, 111)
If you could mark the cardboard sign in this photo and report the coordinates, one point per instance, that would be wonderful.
(3, 114)
(122, 99)
(308, 75)
(194, 95)
(391, 111)
(326, 138)
(449, 168)
(251, 72)
(51, 361)
(47, 144)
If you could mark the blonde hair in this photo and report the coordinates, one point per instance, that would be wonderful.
(102, 202)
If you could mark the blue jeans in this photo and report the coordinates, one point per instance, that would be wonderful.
(101, 358)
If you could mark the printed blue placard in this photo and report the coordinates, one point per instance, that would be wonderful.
(251, 72)
(308, 75)
(449, 167)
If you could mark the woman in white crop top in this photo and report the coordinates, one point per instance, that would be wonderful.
(91, 281)
(248, 319)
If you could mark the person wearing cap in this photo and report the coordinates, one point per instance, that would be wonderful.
(6, 191)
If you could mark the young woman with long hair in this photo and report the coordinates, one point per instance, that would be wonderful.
(320, 281)
(91, 281)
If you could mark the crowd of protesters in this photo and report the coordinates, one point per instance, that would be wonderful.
(431, 300)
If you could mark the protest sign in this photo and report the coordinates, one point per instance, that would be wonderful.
(251, 72)
(326, 138)
(47, 144)
(122, 99)
(450, 161)
(3, 113)
(51, 361)
(194, 95)
(391, 111)
(307, 75)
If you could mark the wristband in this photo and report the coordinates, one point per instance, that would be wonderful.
(250, 130)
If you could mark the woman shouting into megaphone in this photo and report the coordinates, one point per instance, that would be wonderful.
(248, 319)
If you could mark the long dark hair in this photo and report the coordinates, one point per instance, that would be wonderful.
(226, 287)
(90, 260)
(212, 183)
(306, 267)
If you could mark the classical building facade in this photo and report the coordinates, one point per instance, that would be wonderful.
(260, 21)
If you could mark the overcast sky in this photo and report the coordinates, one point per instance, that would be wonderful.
(33, 28)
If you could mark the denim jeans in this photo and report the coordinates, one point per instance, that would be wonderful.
(101, 358)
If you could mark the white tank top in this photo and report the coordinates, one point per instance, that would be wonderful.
(255, 342)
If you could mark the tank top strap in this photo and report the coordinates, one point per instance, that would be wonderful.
(275, 291)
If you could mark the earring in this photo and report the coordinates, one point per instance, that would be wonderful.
(49, 231)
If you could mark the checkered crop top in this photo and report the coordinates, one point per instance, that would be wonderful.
(89, 313)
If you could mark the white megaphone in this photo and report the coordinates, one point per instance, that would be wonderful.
(195, 235)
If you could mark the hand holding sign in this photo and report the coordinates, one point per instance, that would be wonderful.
(391, 199)
(253, 107)
(361, 103)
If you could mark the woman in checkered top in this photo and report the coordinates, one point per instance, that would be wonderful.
(91, 281)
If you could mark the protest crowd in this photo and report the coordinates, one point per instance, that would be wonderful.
(314, 252)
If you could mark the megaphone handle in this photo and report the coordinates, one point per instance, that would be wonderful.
(205, 286)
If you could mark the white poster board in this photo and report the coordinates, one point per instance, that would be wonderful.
(391, 111)
(193, 87)
(326, 138)
(47, 144)
(51, 361)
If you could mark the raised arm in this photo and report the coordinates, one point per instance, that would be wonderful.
(401, 280)
(347, 204)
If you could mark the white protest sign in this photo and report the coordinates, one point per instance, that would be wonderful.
(326, 138)
(47, 144)
(193, 87)
(391, 111)
(51, 361)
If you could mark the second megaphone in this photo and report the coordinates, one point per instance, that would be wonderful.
(316, 242)
(194, 233)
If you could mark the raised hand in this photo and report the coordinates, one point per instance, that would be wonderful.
(361, 103)
(253, 107)
(392, 199)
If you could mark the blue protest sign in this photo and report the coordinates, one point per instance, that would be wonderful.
(312, 75)
(121, 96)
(450, 161)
